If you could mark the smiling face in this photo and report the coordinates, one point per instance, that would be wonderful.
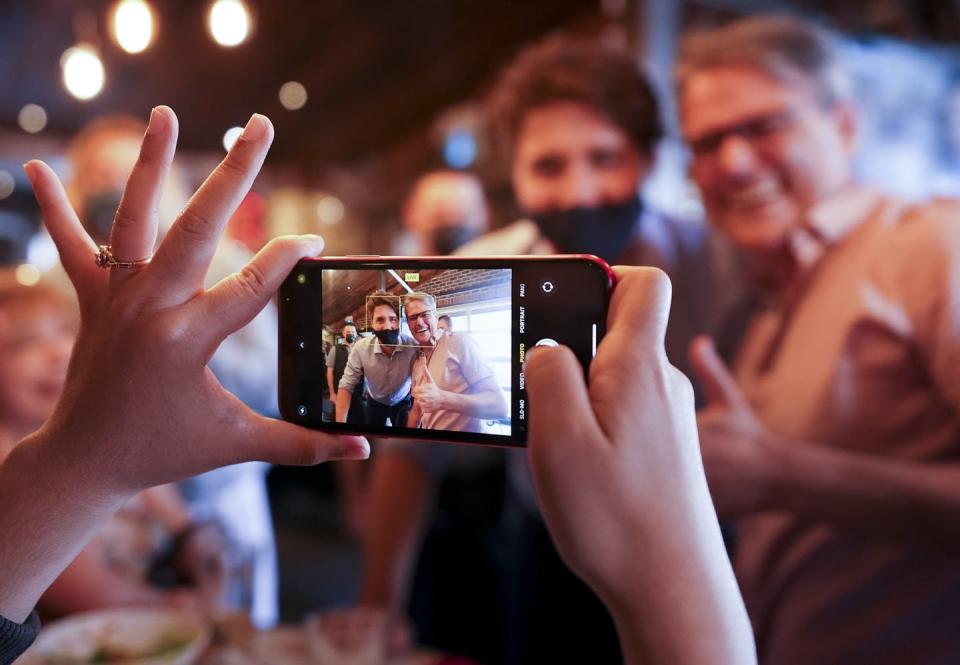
(567, 155)
(422, 321)
(36, 339)
(764, 151)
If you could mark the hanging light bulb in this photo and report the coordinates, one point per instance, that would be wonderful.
(229, 22)
(83, 73)
(133, 25)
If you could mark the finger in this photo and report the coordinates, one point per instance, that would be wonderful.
(640, 306)
(184, 255)
(631, 354)
(134, 232)
(717, 381)
(558, 403)
(279, 442)
(235, 300)
(77, 251)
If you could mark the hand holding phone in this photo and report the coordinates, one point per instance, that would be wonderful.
(640, 527)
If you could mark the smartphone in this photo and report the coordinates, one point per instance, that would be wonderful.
(433, 347)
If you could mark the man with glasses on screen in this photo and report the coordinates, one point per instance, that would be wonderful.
(383, 362)
(454, 387)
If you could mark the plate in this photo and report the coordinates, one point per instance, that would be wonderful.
(129, 636)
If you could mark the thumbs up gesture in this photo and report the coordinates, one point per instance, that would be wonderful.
(428, 396)
(736, 447)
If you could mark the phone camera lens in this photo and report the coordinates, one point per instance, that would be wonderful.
(302, 410)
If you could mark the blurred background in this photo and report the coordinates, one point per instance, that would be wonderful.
(366, 96)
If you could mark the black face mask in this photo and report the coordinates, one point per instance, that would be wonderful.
(391, 337)
(447, 239)
(98, 212)
(602, 230)
(351, 338)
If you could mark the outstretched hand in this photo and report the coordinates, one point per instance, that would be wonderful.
(140, 405)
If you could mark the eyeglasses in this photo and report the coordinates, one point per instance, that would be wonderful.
(755, 131)
(425, 315)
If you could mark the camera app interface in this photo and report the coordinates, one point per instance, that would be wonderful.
(420, 349)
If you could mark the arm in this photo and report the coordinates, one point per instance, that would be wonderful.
(902, 501)
(486, 402)
(400, 491)
(414, 416)
(344, 399)
(140, 408)
(640, 529)
(332, 393)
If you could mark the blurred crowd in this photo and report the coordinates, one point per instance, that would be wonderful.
(817, 317)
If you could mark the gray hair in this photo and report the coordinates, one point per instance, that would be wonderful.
(418, 296)
(785, 47)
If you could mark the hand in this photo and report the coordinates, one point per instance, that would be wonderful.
(140, 407)
(616, 462)
(735, 445)
(429, 397)
(620, 482)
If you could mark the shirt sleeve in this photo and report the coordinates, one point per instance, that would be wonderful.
(332, 357)
(353, 372)
(15, 638)
(928, 276)
(473, 365)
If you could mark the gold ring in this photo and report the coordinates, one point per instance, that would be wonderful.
(105, 259)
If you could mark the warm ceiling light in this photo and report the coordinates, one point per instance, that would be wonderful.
(27, 274)
(229, 22)
(133, 25)
(330, 210)
(230, 137)
(293, 95)
(82, 71)
(32, 118)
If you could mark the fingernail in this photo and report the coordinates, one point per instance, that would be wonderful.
(317, 242)
(356, 448)
(155, 124)
(28, 170)
(256, 128)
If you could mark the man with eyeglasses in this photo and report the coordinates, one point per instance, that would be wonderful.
(454, 388)
(835, 439)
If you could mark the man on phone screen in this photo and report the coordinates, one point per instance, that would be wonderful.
(454, 388)
(382, 363)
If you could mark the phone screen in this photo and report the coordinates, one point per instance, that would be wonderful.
(430, 348)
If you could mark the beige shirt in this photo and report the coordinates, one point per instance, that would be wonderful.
(861, 352)
(456, 365)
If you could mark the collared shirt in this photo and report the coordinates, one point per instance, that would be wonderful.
(862, 352)
(456, 365)
(387, 377)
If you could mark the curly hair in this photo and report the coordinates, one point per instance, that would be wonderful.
(560, 69)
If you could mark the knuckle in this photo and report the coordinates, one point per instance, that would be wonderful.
(194, 225)
(251, 280)
(234, 165)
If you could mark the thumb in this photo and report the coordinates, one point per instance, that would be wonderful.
(280, 442)
(721, 387)
(559, 406)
